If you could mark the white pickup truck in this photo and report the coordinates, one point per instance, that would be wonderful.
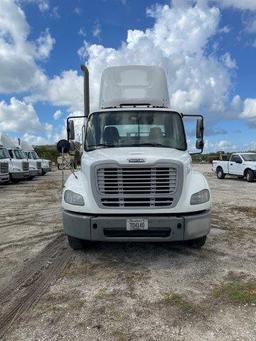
(242, 165)
(136, 181)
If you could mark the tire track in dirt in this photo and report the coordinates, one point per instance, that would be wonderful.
(28, 285)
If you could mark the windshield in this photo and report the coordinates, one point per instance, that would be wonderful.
(135, 129)
(34, 155)
(249, 157)
(4, 153)
(19, 154)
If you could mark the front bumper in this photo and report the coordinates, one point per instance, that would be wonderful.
(33, 172)
(4, 178)
(160, 227)
(20, 175)
(46, 169)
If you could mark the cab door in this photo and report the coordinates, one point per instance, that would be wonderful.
(235, 165)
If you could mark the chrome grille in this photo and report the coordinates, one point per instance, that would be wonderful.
(25, 166)
(4, 167)
(38, 165)
(139, 187)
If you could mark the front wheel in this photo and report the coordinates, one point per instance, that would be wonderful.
(220, 173)
(75, 243)
(249, 175)
(197, 243)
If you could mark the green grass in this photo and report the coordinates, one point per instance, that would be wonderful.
(237, 292)
(178, 301)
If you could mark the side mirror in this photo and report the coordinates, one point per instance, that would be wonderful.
(70, 130)
(200, 144)
(200, 128)
(63, 146)
(239, 161)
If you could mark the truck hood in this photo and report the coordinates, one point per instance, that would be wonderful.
(143, 155)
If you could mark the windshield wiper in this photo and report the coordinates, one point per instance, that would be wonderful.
(102, 145)
(150, 144)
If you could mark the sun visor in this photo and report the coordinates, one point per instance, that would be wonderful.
(133, 85)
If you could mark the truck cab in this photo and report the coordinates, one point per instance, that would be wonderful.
(18, 167)
(4, 165)
(241, 165)
(136, 181)
(35, 163)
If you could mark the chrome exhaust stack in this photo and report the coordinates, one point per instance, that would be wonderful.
(86, 91)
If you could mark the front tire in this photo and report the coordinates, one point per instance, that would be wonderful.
(249, 175)
(220, 173)
(75, 243)
(197, 243)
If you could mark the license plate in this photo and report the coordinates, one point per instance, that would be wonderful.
(136, 224)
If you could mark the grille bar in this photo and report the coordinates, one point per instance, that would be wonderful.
(4, 167)
(25, 166)
(137, 187)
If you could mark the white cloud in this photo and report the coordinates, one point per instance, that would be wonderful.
(251, 26)
(96, 30)
(82, 32)
(64, 90)
(239, 4)
(224, 29)
(19, 116)
(57, 115)
(19, 71)
(229, 61)
(43, 5)
(78, 10)
(44, 45)
(35, 139)
(225, 144)
(178, 42)
(249, 109)
(55, 12)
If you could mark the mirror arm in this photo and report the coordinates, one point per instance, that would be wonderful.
(197, 153)
(69, 118)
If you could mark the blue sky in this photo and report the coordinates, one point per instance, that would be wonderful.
(208, 49)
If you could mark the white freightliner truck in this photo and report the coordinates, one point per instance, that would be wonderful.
(4, 165)
(136, 181)
(18, 167)
(43, 165)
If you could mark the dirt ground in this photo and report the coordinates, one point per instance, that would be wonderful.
(125, 291)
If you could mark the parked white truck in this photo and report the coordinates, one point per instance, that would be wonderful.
(4, 165)
(18, 167)
(43, 165)
(242, 165)
(136, 181)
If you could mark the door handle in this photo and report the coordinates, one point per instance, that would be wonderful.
(231, 164)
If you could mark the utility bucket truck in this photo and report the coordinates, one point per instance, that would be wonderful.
(136, 181)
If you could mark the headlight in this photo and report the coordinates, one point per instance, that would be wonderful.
(200, 197)
(73, 198)
(16, 169)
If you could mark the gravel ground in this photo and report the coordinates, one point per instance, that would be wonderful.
(126, 291)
